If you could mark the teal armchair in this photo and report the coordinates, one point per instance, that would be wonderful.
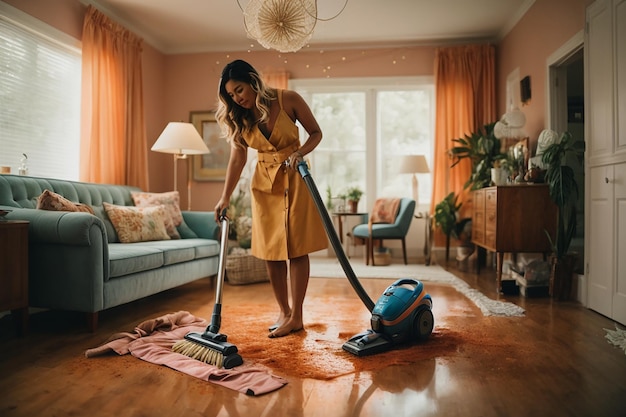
(387, 231)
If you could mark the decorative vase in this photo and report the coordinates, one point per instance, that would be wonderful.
(354, 205)
(499, 176)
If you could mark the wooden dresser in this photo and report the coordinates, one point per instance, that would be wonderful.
(513, 218)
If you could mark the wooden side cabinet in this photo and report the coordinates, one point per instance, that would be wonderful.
(14, 271)
(514, 219)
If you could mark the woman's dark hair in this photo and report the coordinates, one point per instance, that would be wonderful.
(234, 119)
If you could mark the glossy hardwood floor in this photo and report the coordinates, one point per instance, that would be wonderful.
(555, 361)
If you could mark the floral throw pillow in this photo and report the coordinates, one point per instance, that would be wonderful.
(171, 201)
(52, 201)
(137, 224)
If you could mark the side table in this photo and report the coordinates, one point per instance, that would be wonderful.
(341, 215)
(428, 235)
(14, 271)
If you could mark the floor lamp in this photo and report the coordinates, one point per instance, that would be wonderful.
(414, 164)
(180, 139)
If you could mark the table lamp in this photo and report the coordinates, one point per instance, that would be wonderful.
(180, 139)
(414, 164)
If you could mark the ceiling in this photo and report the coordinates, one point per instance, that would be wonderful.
(188, 26)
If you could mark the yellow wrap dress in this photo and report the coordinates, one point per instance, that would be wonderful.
(285, 220)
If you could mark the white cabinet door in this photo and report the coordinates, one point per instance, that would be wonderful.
(620, 73)
(599, 68)
(600, 249)
(619, 295)
(605, 110)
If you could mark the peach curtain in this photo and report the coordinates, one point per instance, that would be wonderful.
(466, 101)
(276, 79)
(113, 136)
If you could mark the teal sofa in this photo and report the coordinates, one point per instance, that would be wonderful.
(76, 262)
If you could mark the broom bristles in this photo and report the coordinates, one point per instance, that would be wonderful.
(198, 352)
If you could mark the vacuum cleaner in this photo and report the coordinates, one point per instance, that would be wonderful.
(212, 347)
(402, 314)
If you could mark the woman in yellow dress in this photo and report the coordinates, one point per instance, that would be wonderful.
(286, 225)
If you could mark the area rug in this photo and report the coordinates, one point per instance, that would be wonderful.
(331, 268)
(617, 337)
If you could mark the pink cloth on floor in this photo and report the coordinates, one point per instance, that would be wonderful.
(152, 341)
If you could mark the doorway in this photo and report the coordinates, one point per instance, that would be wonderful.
(566, 98)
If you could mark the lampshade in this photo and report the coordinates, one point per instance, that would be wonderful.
(515, 118)
(414, 164)
(181, 139)
(511, 125)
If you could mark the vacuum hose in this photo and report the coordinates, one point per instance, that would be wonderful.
(303, 169)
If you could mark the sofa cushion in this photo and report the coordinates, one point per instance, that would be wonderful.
(129, 258)
(49, 200)
(174, 251)
(205, 248)
(136, 224)
(199, 248)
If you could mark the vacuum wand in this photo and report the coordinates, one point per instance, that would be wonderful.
(211, 346)
(216, 317)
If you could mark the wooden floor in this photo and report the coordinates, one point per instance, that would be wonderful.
(555, 362)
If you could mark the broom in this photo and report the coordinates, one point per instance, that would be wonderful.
(211, 346)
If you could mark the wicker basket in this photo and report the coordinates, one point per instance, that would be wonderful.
(245, 269)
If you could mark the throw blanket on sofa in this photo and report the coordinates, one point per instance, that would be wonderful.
(152, 341)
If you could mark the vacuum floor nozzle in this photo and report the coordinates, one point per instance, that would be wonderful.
(367, 343)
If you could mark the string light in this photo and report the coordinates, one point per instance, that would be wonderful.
(328, 62)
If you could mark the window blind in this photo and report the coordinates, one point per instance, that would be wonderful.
(40, 79)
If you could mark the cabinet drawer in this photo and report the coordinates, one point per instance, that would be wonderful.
(490, 220)
(479, 200)
(478, 236)
(491, 197)
(490, 240)
(478, 220)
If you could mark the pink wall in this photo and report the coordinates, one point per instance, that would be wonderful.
(175, 85)
(544, 29)
(64, 15)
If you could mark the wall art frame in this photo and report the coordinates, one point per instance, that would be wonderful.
(211, 166)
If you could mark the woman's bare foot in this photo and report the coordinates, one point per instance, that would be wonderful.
(282, 319)
(289, 327)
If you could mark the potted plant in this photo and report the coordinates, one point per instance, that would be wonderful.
(447, 219)
(558, 159)
(240, 214)
(483, 150)
(353, 195)
(502, 170)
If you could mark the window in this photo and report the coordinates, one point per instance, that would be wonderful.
(40, 77)
(368, 125)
